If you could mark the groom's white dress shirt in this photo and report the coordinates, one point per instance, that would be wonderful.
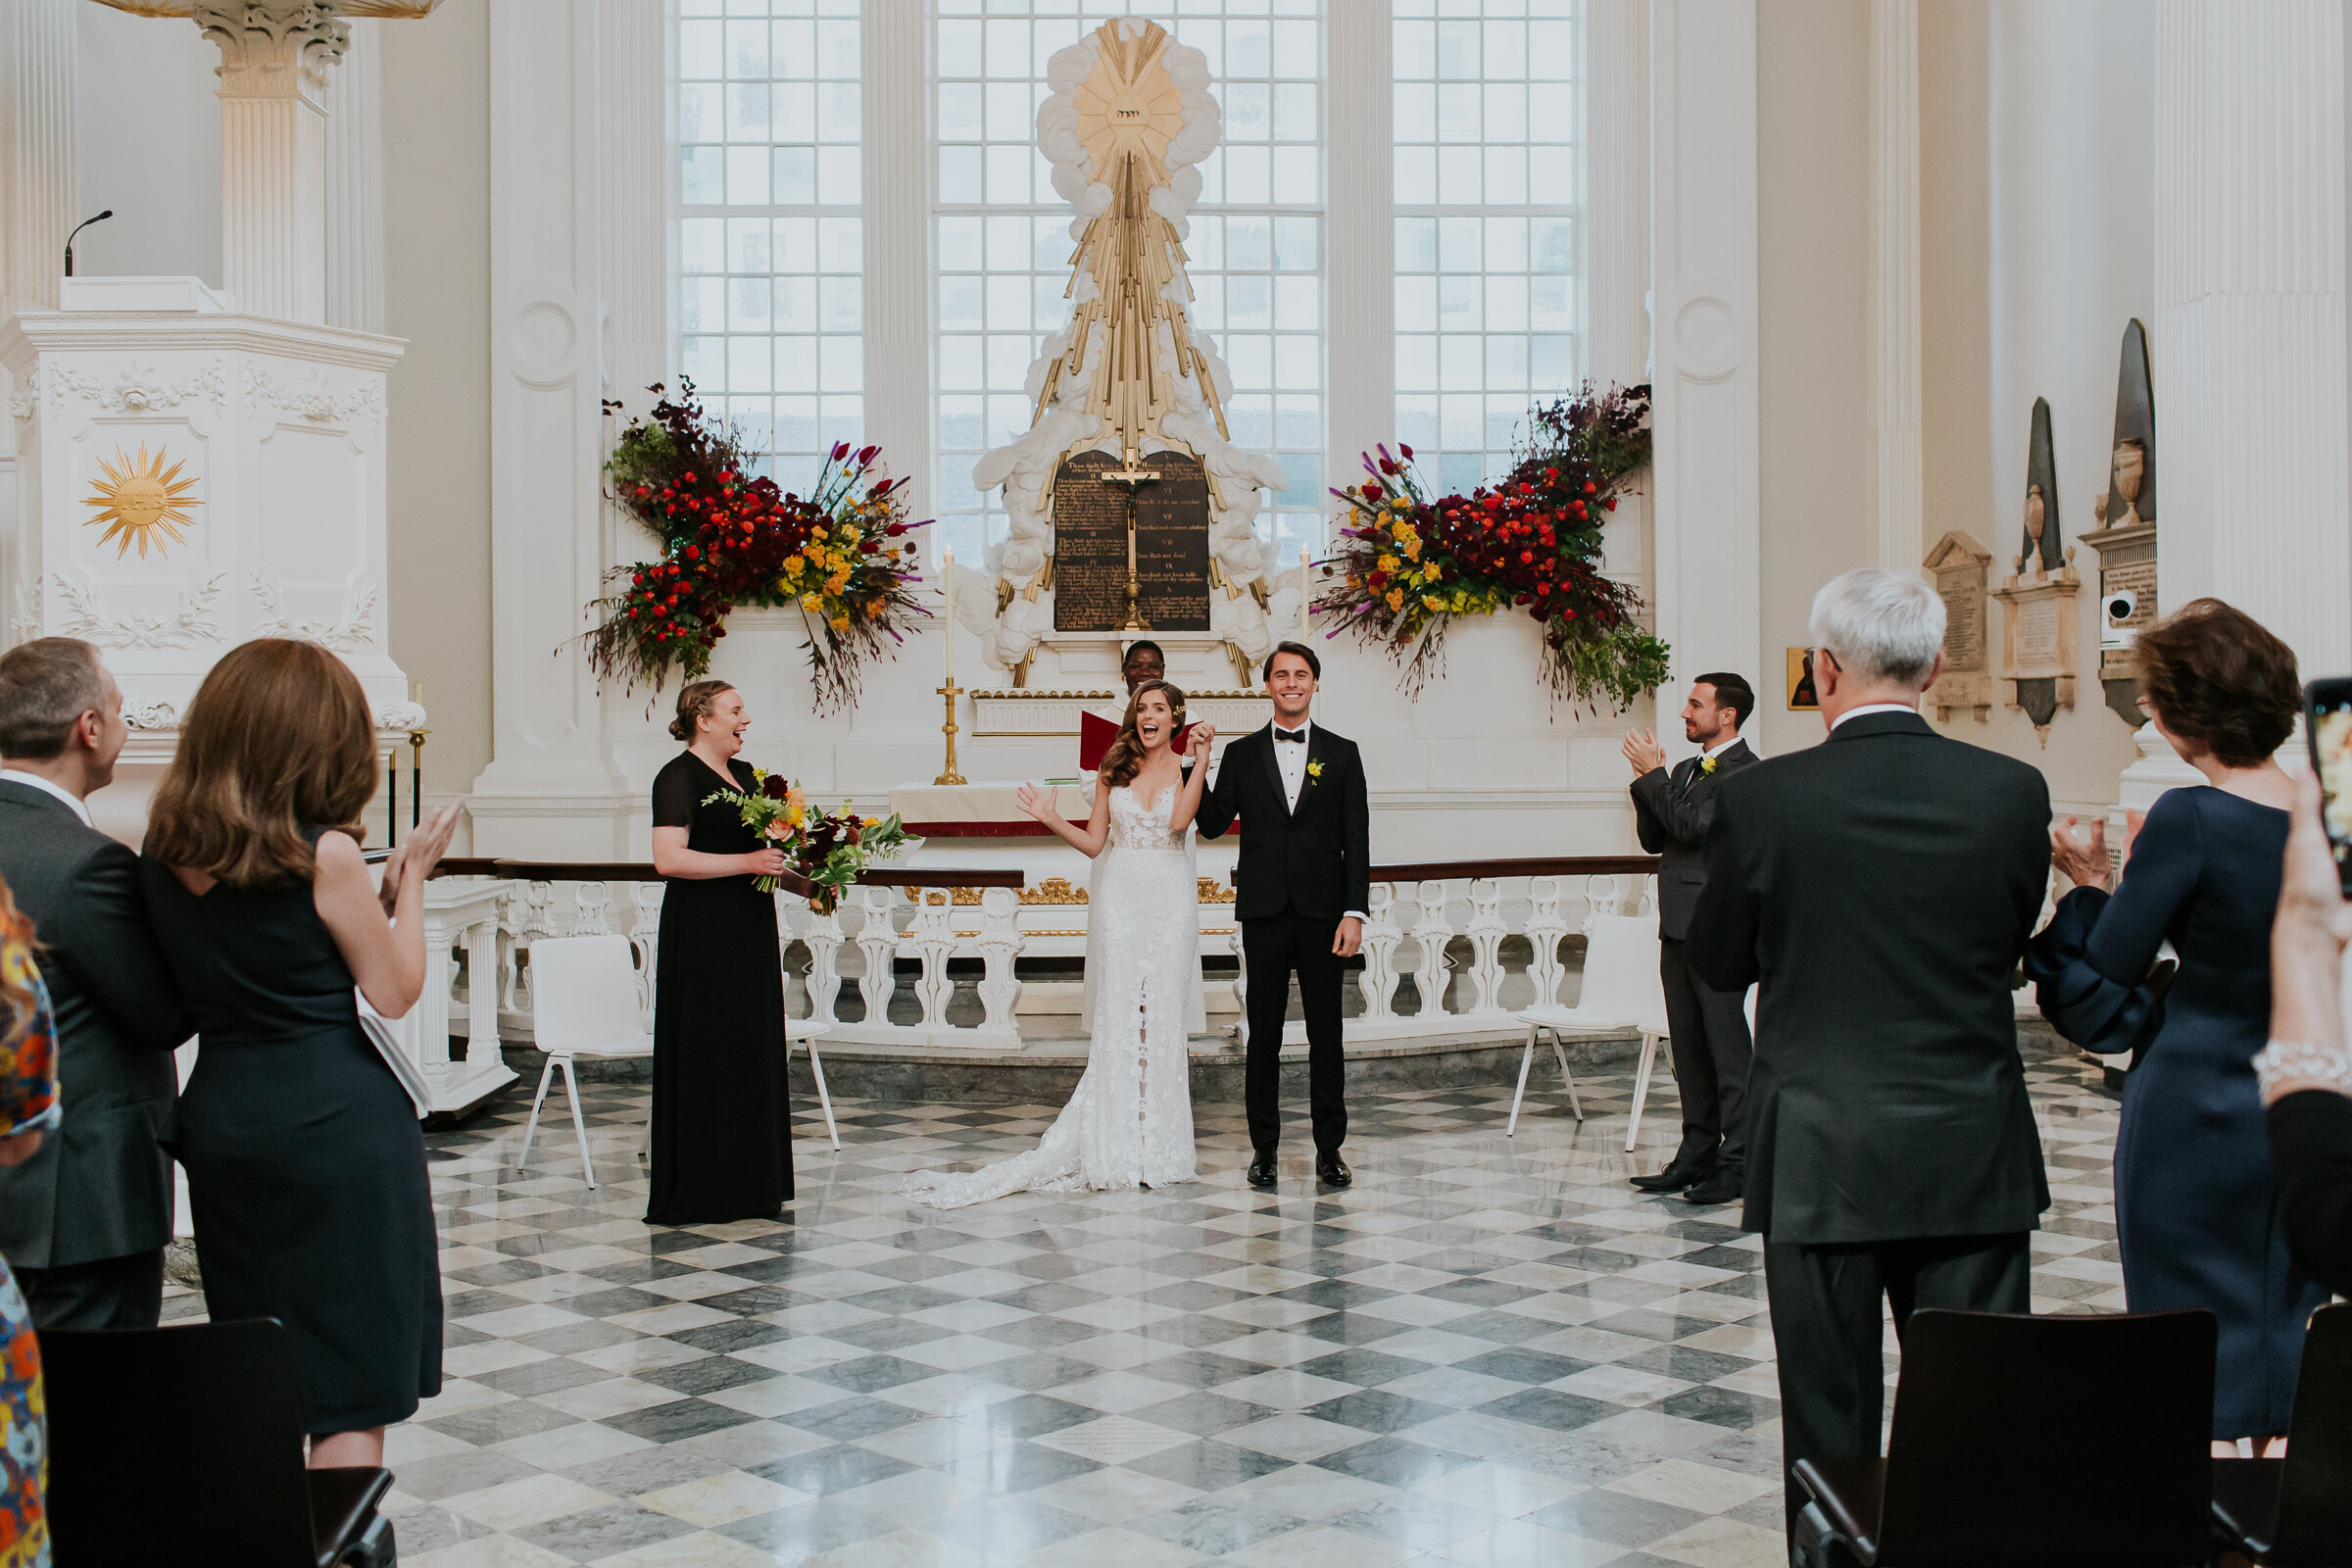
(34, 781)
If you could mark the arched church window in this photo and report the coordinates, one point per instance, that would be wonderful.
(771, 251)
(1486, 200)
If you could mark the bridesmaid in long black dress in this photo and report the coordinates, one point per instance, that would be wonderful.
(306, 1168)
(721, 1121)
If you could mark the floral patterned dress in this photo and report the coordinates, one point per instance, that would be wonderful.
(28, 1104)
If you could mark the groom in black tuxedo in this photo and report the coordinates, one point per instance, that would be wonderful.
(1303, 885)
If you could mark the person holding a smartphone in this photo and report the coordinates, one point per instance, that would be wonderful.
(2197, 1201)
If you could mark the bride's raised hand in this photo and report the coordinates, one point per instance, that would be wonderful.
(1034, 801)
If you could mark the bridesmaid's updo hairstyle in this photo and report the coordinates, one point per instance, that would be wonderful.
(694, 701)
(1124, 759)
(2218, 679)
(276, 739)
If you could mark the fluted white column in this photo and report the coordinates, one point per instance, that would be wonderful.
(896, 170)
(1895, 278)
(1707, 479)
(354, 184)
(274, 56)
(37, 157)
(1359, 258)
(551, 790)
(2248, 342)
(1615, 236)
(636, 159)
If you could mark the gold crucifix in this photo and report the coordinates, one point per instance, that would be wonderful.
(1132, 478)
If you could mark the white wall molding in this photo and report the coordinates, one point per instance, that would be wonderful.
(549, 733)
(897, 176)
(1706, 480)
(1895, 280)
(2254, 499)
(1359, 239)
(354, 184)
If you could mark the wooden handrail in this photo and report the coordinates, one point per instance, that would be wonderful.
(880, 876)
(1537, 865)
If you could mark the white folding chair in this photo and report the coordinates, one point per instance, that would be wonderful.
(584, 1002)
(805, 1031)
(1621, 990)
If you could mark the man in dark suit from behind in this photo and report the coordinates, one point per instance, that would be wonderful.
(1708, 1028)
(1879, 888)
(83, 1222)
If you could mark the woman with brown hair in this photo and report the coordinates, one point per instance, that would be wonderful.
(722, 1116)
(2197, 1213)
(1129, 1123)
(306, 1168)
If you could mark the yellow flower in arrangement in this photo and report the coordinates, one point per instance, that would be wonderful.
(1386, 563)
(793, 565)
(1433, 601)
(813, 602)
(1396, 598)
(841, 623)
(1315, 770)
(1412, 548)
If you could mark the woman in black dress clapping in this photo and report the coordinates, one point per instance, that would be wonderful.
(306, 1168)
(721, 1121)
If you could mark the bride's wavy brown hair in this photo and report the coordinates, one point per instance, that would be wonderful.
(1125, 757)
(276, 739)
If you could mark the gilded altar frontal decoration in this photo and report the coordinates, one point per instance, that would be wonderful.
(140, 501)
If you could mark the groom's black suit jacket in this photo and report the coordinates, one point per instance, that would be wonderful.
(1316, 859)
(1672, 812)
(1879, 888)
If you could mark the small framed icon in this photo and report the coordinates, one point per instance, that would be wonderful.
(1802, 695)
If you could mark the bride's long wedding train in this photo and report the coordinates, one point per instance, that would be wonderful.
(1129, 1123)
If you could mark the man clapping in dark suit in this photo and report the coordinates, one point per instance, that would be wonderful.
(1878, 889)
(83, 1222)
(1708, 1028)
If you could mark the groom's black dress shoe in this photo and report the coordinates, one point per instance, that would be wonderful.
(1724, 1185)
(1679, 1174)
(1261, 1171)
(1332, 1171)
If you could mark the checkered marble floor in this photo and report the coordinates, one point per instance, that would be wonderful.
(1489, 1352)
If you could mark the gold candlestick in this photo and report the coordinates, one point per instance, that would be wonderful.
(950, 691)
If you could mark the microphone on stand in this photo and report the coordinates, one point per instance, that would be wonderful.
(78, 228)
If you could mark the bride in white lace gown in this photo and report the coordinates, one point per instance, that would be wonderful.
(1129, 1123)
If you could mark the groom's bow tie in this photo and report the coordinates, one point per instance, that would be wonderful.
(1281, 734)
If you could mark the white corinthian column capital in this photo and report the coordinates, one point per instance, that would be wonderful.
(274, 56)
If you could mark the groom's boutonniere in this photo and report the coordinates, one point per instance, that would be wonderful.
(1706, 764)
(1315, 770)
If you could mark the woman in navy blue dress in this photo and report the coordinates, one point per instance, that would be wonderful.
(2197, 1209)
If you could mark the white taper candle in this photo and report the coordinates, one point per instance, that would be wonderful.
(946, 591)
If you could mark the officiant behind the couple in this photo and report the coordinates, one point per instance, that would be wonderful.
(1129, 1123)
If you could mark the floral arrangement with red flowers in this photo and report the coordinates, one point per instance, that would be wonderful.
(840, 554)
(1408, 566)
(831, 850)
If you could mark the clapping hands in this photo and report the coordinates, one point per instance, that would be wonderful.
(1641, 749)
(414, 858)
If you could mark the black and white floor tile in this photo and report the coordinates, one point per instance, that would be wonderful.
(1489, 1352)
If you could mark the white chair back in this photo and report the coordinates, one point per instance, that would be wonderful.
(1621, 972)
(584, 994)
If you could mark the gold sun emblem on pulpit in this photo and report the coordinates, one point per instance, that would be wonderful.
(140, 500)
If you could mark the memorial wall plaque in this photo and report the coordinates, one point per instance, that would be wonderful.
(1090, 545)
(1171, 543)
(1958, 564)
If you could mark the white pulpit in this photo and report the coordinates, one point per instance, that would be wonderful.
(189, 477)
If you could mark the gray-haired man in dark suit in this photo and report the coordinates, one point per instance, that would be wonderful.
(83, 1222)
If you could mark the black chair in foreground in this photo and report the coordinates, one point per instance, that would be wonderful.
(2296, 1512)
(2020, 1439)
(184, 1444)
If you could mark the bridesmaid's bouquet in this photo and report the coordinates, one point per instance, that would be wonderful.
(830, 850)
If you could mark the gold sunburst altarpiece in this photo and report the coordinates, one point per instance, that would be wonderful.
(140, 501)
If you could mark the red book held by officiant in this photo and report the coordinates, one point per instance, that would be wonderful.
(1096, 733)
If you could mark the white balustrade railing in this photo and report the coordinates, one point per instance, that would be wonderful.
(1411, 926)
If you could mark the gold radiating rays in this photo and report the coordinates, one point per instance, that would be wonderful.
(142, 500)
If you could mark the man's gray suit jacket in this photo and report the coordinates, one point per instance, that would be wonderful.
(100, 1186)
